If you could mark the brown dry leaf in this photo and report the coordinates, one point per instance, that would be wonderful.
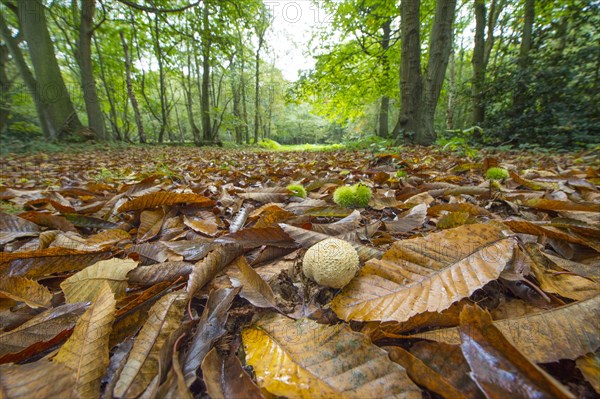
(154, 200)
(471, 209)
(525, 227)
(190, 250)
(41, 332)
(93, 243)
(554, 205)
(25, 290)
(206, 226)
(150, 224)
(254, 288)
(56, 222)
(567, 332)
(85, 285)
(589, 365)
(449, 362)
(582, 269)
(305, 359)
(207, 269)
(41, 379)
(45, 262)
(492, 357)
(257, 237)
(13, 227)
(426, 274)
(409, 220)
(151, 346)
(554, 281)
(347, 224)
(225, 378)
(267, 194)
(420, 373)
(307, 238)
(86, 351)
(455, 219)
(157, 273)
(210, 327)
(270, 214)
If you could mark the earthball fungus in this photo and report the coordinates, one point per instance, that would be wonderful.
(331, 262)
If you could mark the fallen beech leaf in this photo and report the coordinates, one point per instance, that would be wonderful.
(303, 358)
(345, 225)
(86, 351)
(589, 365)
(41, 379)
(151, 346)
(554, 205)
(426, 274)
(157, 273)
(25, 290)
(267, 194)
(56, 222)
(409, 220)
(40, 332)
(270, 214)
(224, 377)
(13, 227)
(254, 288)
(154, 200)
(45, 262)
(567, 332)
(84, 285)
(449, 362)
(210, 327)
(492, 358)
(257, 237)
(523, 226)
(420, 373)
(201, 225)
(307, 238)
(206, 269)
(150, 224)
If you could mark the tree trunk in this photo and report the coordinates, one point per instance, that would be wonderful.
(257, 86)
(420, 95)
(4, 87)
(478, 62)
(187, 90)
(519, 97)
(451, 92)
(54, 97)
(86, 68)
(385, 101)
(243, 96)
(114, 122)
(205, 96)
(131, 93)
(164, 112)
(410, 69)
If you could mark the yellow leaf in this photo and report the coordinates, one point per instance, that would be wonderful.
(150, 351)
(426, 274)
(303, 359)
(86, 351)
(22, 289)
(84, 286)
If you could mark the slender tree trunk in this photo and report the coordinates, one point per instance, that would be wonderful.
(519, 97)
(237, 113)
(243, 95)
(4, 88)
(385, 100)
(410, 69)
(86, 68)
(54, 96)
(205, 100)
(131, 93)
(451, 93)
(478, 62)
(114, 122)
(261, 35)
(187, 90)
(164, 111)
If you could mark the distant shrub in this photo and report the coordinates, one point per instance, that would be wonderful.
(269, 144)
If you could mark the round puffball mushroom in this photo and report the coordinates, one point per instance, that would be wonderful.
(331, 262)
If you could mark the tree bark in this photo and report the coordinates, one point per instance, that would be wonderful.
(86, 68)
(385, 100)
(53, 92)
(205, 96)
(519, 97)
(478, 62)
(261, 36)
(164, 111)
(4, 88)
(451, 93)
(420, 92)
(410, 69)
(131, 93)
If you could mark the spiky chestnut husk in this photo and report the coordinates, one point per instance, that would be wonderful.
(297, 190)
(496, 174)
(356, 196)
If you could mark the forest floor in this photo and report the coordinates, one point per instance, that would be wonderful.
(102, 251)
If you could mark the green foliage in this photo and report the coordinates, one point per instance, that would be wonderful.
(372, 143)
(356, 196)
(496, 174)
(460, 143)
(297, 190)
(401, 173)
(9, 207)
(268, 144)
